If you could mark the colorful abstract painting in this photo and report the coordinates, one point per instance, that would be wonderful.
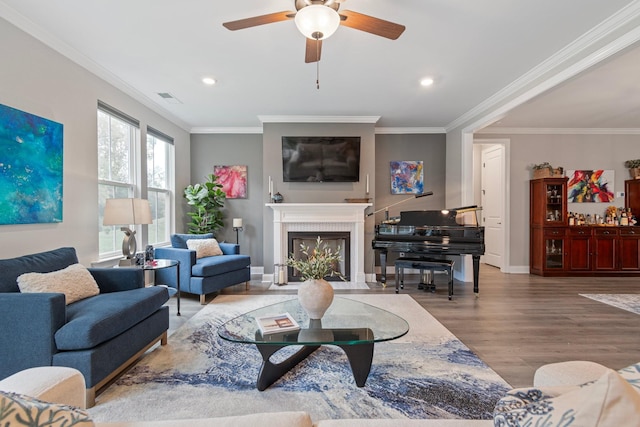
(590, 186)
(31, 152)
(407, 177)
(233, 180)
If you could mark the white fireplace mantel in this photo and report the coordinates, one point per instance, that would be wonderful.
(321, 217)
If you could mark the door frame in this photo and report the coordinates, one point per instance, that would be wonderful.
(506, 198)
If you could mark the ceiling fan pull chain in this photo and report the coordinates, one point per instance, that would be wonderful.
(318, 63)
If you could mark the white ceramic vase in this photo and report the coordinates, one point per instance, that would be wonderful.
(315, 296)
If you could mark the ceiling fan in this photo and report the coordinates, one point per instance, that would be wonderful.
(318, 19)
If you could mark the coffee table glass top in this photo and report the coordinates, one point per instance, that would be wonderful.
(346, 322)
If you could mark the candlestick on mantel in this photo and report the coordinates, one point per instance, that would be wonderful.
(367, 185)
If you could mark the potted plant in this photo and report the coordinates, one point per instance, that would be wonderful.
(545, 170)
(315, 293)
(634, 168)
(206, 200)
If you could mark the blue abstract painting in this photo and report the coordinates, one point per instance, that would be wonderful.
(407, 177)
(31, 150)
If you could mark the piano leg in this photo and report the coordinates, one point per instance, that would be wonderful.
(383, 268)
(476, 273)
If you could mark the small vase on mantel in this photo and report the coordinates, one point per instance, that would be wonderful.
(315, 296)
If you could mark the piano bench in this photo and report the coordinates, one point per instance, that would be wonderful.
(424, 264)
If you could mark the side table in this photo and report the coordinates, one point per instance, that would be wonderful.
(159, 264)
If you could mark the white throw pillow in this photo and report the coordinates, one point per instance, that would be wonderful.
(204, 247)
(19, 410)
(609, 401)
(75, 282)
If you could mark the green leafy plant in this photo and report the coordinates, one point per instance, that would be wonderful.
(630, 164)
(206, 200)
(320, 262)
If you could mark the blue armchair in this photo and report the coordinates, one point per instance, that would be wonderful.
(202, 276)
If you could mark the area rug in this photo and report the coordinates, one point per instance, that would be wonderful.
(336, 285)
(628, 302)
(428, 373)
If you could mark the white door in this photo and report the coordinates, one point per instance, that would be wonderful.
(492, 162)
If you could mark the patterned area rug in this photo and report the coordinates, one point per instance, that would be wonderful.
(428, 373)
(629, 302)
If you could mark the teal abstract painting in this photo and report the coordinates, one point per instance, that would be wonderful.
(31, 151)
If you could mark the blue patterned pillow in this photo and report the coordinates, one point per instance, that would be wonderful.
(608, 401)
(19, 410)
(632, 375)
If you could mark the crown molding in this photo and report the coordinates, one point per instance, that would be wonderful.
(409, 130)
(227, 130)
(558, 131)
(615, 22)
(319, 119)
(37, 32)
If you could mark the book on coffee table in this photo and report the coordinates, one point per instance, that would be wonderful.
(277, 323)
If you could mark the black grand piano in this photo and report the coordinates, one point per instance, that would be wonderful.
(432, 233)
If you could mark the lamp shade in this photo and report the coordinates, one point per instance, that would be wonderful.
(127, 211)
(317, 21)
(237, 222)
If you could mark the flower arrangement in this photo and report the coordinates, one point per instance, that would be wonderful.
(320, 261)
(612, 211)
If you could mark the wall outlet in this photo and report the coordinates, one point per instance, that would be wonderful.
(620, 194)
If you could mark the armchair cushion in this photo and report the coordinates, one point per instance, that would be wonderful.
(204, 247)
(93, 321)
(75, 282)
(20, 410)
(180, 240)
(215, 265)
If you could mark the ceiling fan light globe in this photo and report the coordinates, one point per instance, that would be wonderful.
(317, 21)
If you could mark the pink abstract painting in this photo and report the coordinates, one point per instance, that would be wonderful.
(233, 180)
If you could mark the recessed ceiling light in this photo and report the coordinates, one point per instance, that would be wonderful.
(209, 81)
(427, 81)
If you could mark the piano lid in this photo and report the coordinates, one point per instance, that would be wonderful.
(465, 216)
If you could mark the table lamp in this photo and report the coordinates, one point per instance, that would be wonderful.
(237, 226)
(125, 212)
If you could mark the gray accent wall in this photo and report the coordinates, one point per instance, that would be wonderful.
(312, 192)
(263, 156)
(209, 150)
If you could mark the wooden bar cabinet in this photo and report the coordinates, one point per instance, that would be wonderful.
(557, 249)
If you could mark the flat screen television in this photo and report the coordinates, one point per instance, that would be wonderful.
(321, 158)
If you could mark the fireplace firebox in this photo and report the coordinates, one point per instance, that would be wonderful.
(334, 240)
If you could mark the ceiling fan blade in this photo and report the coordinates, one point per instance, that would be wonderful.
(259, 20)
(372, 25)
(313, 51)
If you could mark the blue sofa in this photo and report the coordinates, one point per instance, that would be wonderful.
(99, 336)
(204, 275)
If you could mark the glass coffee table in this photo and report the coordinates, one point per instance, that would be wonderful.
(349, 324)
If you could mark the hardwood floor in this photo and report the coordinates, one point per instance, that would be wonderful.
(519, 322)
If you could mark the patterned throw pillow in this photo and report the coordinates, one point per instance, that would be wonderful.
(19, 410)
(75, 282)
(204, 247)
(607, 402)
